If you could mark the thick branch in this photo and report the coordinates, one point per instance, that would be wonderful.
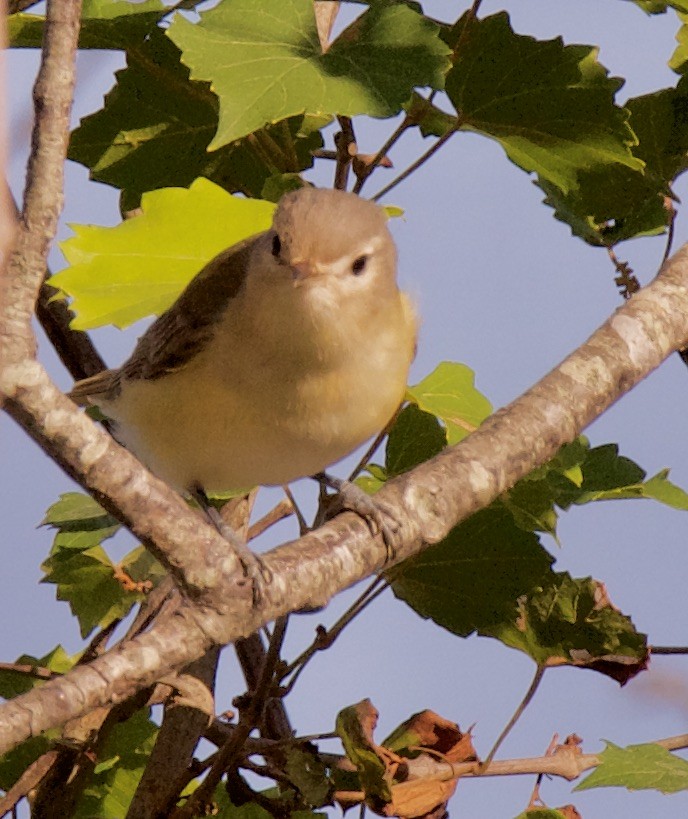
(428, 502)
(43, 195)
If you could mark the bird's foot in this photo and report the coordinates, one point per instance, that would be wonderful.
(376, 513)
(255, 570)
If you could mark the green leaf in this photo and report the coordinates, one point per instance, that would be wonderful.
(307, 772)
(473, 578)
(81, 522)
(431, 120)
(156, 116)
(121, 274)
(610, 205)
(610, 476)
(449, 393)
(661, 6)
(86, 580)
(415, 437)
(567, 621)
(265, 62)
(679, 59)
(251, 810)
(105, 24)
(119, 768)
(554, 116)
(541, 813)
(578, 475)
(15, 762)
(660, 121)
(355, 726)
(531, 502)
(638, 767)
(142, 567)
(613, 205)
(13, 683)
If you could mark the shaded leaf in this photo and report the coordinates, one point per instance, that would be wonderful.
(660, 121)
(156, 125)
(431, 120)
(120, 274)
(580, 474)
(473, 578)
(105, 24)
(265, 62)
(307, 772)
(449, 394)
(555, 116)
(638, 767)
(15, 762)
(415, 437)
(13, 683)
(610, 205)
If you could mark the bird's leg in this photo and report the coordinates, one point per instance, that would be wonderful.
(352, 498)
(254, 569)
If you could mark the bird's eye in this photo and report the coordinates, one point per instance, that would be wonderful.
(276, 245)
(359, 265)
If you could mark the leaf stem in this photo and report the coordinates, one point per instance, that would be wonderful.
(415, 165)
(518, 713)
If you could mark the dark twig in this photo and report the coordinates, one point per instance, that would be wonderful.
(325, 638)
(226, 757)
(345, 142)
(667, 650)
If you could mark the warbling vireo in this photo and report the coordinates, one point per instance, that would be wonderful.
(284, 354)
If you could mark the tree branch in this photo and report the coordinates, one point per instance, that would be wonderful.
(43, 194)
(428, 502)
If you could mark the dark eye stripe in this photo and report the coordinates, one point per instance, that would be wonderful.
(276, 245)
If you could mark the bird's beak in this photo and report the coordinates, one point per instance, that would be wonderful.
(302, 270)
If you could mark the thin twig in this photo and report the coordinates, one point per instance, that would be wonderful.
(654, 650)
(303, 525)
(669, 205)
(368, 454)
(530, 693)
(394, 137)
(324, 639)
(420, 161)
(280, 511)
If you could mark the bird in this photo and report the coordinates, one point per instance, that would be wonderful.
(284, 354)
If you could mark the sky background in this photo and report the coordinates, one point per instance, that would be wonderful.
(504, 288)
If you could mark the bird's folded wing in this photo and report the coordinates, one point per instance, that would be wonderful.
(179, 333)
